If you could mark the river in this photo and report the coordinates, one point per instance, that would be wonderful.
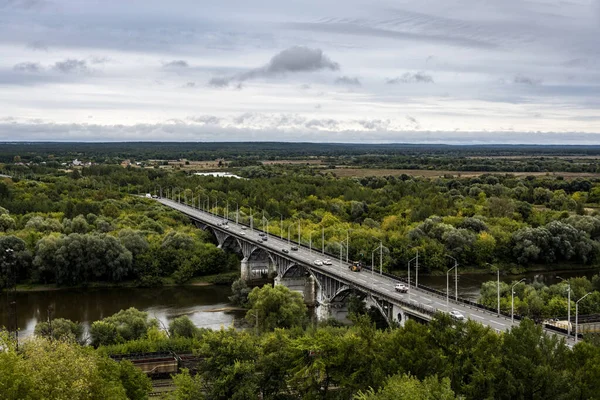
(200, 303)
(89, 305)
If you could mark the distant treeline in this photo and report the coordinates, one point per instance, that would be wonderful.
(103, 152)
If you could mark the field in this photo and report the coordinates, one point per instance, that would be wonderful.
(364, 172)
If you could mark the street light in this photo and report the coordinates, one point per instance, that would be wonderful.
(568, 305)
(498, 285)
(281, 225)
(577, 315)
(512, 301)
(289, 227)
(380, 248)
(448, 281)
(409, 261)
(310, 241)
(455, 278)
(341, 252)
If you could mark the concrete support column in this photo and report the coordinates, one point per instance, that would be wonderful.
(323, 311)
(310, 290)
(295, 284)
(245, 269)
(398, 315)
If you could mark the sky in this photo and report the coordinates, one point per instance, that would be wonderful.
(377, 71)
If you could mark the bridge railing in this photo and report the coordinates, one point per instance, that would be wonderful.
(430, 290)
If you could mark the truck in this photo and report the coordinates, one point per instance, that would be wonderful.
(356, 266)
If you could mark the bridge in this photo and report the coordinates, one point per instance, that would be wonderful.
(328, 287)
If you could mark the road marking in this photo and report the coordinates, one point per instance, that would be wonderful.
(497, 323)
(477, 316)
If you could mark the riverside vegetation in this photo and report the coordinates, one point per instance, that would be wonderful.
(287, 359)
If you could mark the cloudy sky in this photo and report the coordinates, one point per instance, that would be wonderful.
(430, 71)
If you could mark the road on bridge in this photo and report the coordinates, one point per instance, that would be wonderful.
(371, 280)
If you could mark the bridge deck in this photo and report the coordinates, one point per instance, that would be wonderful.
(369, 281)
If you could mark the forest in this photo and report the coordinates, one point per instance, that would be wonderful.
(83, 224)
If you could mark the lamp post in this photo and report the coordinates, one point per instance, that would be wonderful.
(310, 241)
(455, 278)
(448, 284)
(322, 239)
(380, 258)
(341, 253)
(289, 227)
(497, 285)
(577, 316)
(568, 305)
(409, 261)
(512, 301)
(281, 225)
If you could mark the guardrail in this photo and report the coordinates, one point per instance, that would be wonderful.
(424, 288)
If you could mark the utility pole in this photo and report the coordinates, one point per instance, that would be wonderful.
(323, 240)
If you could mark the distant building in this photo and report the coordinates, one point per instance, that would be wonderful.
(77, 163)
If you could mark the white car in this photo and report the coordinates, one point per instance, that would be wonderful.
(401, 288)
(327, 262)
(457, 315)
(318, 262)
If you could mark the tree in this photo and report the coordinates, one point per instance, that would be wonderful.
(239, 293)
(187, 387)
(275, 307)
(182, 327)
(407, 387)
(59, 370)
(60, 329)
(125, 325)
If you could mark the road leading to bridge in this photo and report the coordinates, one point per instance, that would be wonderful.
(366, 280)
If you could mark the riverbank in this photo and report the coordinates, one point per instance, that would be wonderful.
(226, 278)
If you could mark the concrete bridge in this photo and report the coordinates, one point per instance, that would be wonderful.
(328, 287)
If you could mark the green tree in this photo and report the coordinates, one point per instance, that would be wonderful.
(406, 387)
(182, 327)
(60, 329)
(275, 307)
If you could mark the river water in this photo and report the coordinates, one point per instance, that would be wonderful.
(202, 304)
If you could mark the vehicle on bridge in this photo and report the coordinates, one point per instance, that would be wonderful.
(294, 248)
(286, 251)
(327, 262)
(318, 262)
(401, 288)
(356, 266)
(457, 315)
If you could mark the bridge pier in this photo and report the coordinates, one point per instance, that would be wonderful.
(398, 315)
(303, 285)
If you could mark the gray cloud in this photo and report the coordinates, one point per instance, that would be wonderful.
(525, 80)
(24, 4)
(190, 85)
(100, 60)
(293, 60)
(176, 64)
(287, 128)
(37, 45)
(28, 67)
(408, 77)
(71, 65)
(346, 80)
(219, 82)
